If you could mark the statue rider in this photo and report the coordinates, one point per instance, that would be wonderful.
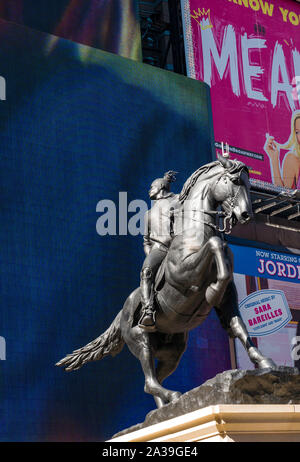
(157, 239)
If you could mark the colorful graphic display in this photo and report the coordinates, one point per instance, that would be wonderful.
(248, 52)
(269, 303)
(107, 25)
(73, 134)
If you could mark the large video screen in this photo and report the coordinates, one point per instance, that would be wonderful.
(79, 136)
(248, 52)
(109, 26)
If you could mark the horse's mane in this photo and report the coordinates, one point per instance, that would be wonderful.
(232, 167)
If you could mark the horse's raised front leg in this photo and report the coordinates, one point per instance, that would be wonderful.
(215, 291)
(196, 266)
(138, 342)
(230, 318)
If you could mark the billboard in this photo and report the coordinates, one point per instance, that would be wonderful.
(269, 293)
(75, 133)
(248, 52)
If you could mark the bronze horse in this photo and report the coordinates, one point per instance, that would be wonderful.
(195, 276)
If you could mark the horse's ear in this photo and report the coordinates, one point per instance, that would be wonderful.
(225, 162)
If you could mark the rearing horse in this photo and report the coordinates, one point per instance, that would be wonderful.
(195, 276)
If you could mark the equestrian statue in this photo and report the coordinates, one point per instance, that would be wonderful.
(187, 271)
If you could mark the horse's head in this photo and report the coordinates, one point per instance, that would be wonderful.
(232, 191)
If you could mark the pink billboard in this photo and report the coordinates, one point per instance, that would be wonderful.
(248, 52)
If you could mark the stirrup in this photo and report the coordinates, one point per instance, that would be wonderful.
(150, 314)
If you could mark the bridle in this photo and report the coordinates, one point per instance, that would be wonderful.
(227, 216)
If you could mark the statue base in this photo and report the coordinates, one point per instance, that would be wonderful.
(225, 423)
(236, 405)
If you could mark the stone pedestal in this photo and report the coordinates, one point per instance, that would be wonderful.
(225, 423)
(236, 405)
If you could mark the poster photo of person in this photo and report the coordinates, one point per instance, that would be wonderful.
(286, 173)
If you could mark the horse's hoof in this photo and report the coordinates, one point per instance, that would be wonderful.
(212, 296)
(267, 363)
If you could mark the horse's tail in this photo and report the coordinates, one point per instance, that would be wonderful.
(109, 343)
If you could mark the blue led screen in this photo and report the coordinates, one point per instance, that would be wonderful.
(78, 126)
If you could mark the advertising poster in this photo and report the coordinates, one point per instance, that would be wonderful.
(269, 300)
(81, 142)
(248, 52)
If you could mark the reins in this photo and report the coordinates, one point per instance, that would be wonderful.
(227, 222)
